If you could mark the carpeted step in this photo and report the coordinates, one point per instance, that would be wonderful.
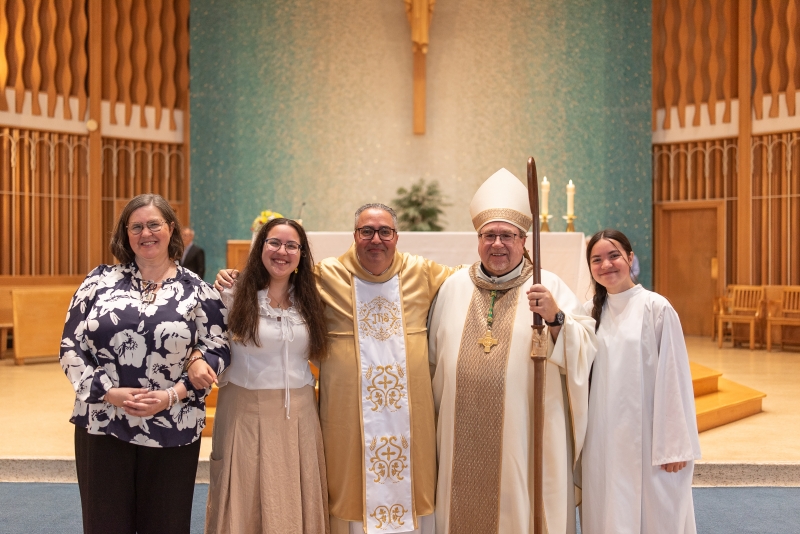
(730, 403)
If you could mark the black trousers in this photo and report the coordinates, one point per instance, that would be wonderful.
(129, 489)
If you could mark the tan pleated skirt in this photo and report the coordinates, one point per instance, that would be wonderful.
(267, 472)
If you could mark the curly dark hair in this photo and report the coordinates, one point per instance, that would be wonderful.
(600, 291)
(243, 317)
(120, 245)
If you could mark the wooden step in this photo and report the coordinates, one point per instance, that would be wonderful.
(211, 400)
(208, 431)
(704, 379)
(730, 403)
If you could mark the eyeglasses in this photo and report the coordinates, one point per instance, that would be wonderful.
(505, 239)
(384, 232)
(275, 245)
(154, 226)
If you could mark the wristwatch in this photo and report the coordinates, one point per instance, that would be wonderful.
(558, 321)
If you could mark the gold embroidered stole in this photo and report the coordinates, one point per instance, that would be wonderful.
(480, 407)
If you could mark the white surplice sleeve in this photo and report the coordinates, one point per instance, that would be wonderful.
(573, 351)
(675, 436)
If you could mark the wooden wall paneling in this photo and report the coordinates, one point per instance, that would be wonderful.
(683, 61)
(3, 58)
(759, 25)
(784, 223)
(81, 59)
(110, 57)
(35, 36)
(64, 51)
(670, 67)
(49, 21)
(699, 47)
(182, 48)
(125, 66)
(792, 42)
(140, 59)
(6, 192)
(713, 60)
(19, 53)
(657, 61)
(168, 57)
(154, 75)
(775, 53)
(744, 208)
(94, 204)
(729, 73)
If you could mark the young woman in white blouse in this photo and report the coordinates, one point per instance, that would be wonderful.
(267, 461)
(641, 440)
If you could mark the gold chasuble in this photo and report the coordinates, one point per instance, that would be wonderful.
(484, 403)
(341, 376)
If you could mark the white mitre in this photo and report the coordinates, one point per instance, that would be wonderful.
(501, 198)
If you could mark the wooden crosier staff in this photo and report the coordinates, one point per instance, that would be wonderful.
(539, 356)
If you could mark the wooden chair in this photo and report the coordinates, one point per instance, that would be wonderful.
(744, 306)
(785, 312)
(719, 303)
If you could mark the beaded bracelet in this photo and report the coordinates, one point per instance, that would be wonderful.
(172, 401)
(192, 360)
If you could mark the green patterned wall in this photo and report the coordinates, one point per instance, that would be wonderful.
(310, 101)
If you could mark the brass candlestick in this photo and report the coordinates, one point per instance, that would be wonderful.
(544, 218)
(570, 222)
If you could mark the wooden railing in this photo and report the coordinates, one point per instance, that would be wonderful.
(94, 102)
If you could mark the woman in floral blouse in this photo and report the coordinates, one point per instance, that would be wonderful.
(143, 342)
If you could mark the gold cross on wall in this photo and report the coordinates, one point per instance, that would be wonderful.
(419, 13)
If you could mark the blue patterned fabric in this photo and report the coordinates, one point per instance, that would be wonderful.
(113, 339)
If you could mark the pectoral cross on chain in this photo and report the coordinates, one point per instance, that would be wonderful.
(487, 341)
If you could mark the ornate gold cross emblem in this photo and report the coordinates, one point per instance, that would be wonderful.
(487, 341)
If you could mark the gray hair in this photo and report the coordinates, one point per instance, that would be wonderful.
(375, 206)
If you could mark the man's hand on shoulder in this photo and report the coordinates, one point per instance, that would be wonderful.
(225, 279)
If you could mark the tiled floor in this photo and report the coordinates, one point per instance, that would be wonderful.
(36, 402)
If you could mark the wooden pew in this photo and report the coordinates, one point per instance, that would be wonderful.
(783, 312)
(9, 282)
(744, 306)
(39, 314)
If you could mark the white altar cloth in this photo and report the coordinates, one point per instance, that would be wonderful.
(563, 253)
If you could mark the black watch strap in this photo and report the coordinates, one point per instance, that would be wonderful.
(558, 321)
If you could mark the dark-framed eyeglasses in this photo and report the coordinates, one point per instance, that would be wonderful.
(154, 226)
(384, 232)
(505, 239)
(275, 245)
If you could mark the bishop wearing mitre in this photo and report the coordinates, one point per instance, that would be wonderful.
(480, 345)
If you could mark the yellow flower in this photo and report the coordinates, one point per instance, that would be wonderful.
(263, 218)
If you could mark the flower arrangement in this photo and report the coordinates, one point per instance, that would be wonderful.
(263, 218)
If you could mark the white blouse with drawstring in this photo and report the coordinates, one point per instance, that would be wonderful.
(281, 362)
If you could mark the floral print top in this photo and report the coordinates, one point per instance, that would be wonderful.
(113, 339)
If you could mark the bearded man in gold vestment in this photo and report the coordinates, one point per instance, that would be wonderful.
(376, 404)
(480, 343)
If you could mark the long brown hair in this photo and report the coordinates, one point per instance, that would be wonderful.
(243, 318)
(600, 291)
(120, 245)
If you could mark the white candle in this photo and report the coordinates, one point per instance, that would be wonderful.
(570, 198)
(545, 196)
